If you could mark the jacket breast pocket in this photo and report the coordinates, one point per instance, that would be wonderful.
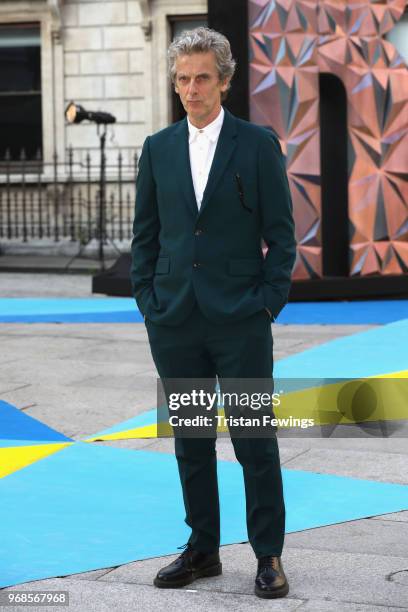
(162, 265)
(245, 267)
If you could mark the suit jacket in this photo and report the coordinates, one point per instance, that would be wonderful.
(213, 256)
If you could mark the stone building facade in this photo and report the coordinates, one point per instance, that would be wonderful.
(105, 55)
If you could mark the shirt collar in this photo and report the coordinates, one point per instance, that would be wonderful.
(212, 130)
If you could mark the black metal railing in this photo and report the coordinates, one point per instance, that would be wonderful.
(62, 200)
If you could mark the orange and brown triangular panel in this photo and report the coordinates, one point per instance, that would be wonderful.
(291, 43)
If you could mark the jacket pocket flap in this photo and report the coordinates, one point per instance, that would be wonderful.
(245, 267)
(162, 265)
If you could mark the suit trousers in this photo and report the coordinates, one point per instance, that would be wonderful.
(199, 348)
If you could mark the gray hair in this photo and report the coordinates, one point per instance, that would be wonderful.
(202, 40)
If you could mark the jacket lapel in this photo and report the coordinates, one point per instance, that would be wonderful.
(226, 144)
(180, 161)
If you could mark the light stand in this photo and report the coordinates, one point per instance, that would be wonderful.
(102, 198)
(75, 113)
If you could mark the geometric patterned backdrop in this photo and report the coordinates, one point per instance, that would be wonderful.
(290, 42)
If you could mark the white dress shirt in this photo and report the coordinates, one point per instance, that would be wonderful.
(202, 145)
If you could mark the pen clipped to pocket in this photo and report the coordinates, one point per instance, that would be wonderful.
(241, 192)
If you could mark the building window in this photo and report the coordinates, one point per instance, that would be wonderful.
(20, 91)
(177, 25)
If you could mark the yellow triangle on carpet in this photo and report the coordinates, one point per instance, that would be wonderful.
(13, 458)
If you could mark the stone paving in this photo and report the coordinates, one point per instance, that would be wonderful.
(81, 378)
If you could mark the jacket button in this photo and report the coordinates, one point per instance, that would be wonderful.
(196, 264)
(198, 232)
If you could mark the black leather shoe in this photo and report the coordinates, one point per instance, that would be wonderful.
(270, 579)
(191, 564)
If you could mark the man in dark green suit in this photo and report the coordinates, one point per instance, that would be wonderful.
(209, 189)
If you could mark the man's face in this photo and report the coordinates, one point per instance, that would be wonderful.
(199, 87)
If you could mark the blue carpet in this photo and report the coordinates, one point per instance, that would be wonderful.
(73, 310)
(373, 352)
(16, 425)
(370, 353)
(149, 417)
(94, 507)
(374, 312)
(124, 310)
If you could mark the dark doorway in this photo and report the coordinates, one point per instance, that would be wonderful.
(334, 175)
(231, 18)
(179, 23)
